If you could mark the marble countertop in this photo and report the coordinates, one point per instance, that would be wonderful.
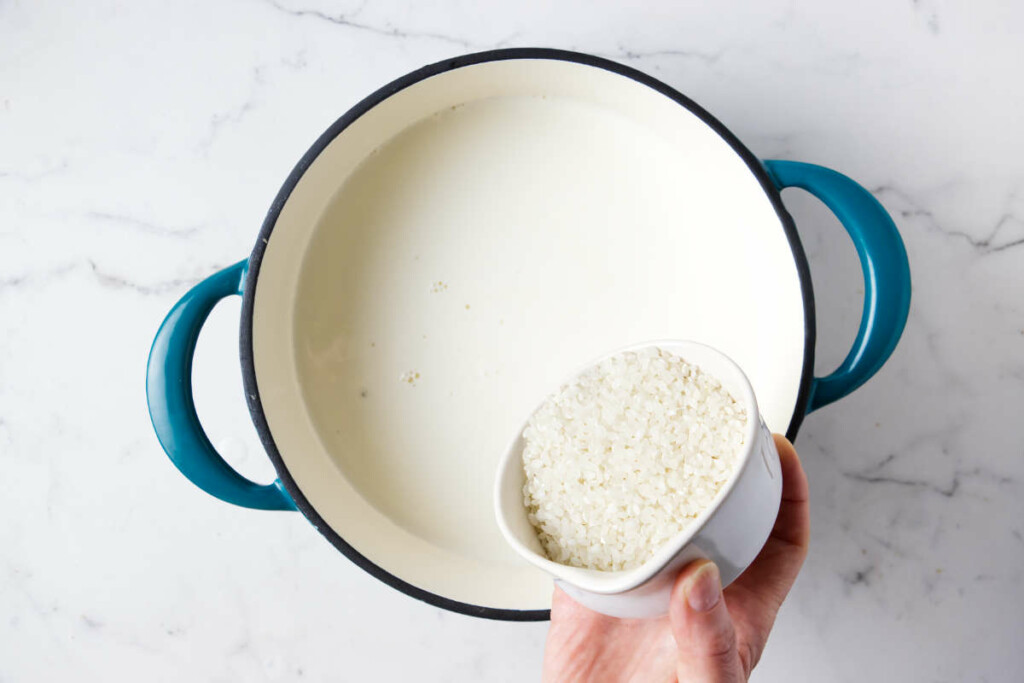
(140, 146)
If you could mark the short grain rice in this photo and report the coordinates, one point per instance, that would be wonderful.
(626, 456)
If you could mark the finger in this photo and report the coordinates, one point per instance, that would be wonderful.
(755, 596)
(773, 571)
(794, 481)
(793, 522)
(705, 638)
(775, 568)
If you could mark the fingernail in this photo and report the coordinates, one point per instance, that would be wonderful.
(704, 588)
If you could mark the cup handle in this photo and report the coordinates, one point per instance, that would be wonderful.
(173, 412)
(883, 259)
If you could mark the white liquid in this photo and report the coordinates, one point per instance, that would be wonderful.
(482, 254)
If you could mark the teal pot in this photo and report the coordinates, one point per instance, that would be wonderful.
(456, 242)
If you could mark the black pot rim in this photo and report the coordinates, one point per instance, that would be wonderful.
(256, 258)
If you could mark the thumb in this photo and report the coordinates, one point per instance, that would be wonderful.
(705, 638)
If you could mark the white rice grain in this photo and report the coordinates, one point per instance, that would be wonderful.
(626, 456)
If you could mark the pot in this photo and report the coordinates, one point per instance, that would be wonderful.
(455, 242)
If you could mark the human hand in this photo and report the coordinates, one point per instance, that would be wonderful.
(707, 636)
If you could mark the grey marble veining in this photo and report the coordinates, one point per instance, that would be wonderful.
(140, 146)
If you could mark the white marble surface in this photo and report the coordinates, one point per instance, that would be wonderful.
(140, 145)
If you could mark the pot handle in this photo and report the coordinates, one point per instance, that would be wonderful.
(883, 259)
(173, 412)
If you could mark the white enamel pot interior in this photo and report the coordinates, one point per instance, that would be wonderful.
(456, 243)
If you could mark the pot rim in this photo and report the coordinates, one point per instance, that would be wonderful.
(256, 257)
